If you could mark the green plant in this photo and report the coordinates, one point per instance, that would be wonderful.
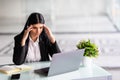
(91, 50)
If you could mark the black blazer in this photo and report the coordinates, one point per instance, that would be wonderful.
(46, 49)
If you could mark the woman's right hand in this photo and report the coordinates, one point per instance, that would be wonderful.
(25, 36)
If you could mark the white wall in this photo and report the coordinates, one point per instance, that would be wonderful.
(78, 7)
(13, 13)
(11, 8)
(113, 10)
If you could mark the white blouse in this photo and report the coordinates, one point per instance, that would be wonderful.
(33, 51)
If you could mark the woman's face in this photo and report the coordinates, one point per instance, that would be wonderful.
(36, 29)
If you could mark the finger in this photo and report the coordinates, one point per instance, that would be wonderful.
(47, 28)
(30, 28)
(44, 25)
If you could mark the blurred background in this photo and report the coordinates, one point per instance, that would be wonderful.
(70, 22)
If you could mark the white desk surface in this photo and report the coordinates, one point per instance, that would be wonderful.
(84, 73)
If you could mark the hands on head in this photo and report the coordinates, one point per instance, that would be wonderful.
(49, 34)
(37, 33)
(25, 36)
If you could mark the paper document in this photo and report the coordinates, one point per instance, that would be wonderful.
(14, 69)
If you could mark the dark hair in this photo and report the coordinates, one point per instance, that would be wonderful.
(34, 18)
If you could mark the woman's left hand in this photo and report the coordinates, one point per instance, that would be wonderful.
(49, 34)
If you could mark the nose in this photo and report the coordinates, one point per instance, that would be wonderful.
(38, 30)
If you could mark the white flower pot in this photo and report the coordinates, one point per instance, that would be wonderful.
(87, 61)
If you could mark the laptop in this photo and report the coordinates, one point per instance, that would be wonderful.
(62, 63)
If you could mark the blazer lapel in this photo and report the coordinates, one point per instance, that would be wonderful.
(42, 49)
(26, 47)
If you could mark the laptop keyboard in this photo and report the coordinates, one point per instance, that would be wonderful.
(42, 71)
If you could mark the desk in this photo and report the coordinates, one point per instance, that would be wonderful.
(84, 73)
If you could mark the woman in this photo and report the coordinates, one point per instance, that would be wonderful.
(35, 43)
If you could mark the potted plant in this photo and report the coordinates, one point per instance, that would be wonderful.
(91, 50)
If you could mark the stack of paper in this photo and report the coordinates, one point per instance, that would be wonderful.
(14, 69)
